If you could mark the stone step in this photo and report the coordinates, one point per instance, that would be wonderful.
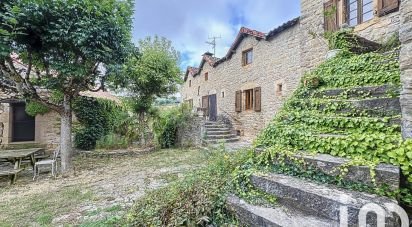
(251, 215)
(321, 200)
(386, 174)
(216, 141)
(372, 107)
(215, 125)
(358, 92)
(218, 137)
(217, 129)
(220, 132)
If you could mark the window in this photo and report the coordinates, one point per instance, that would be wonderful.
(223, 94)
(359, 11)
(206, 76)
(248, 99)
(279, 89)
(190, 83)
(247, 57)
(198, 90)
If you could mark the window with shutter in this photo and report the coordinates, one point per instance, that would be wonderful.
(387, 6)
(331, 16)
(258, 102)
(238, 101)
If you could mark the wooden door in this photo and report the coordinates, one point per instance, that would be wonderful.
(212, 108)
(205, 105)
(23, 125)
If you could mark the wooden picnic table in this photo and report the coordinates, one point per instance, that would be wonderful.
(17, 156)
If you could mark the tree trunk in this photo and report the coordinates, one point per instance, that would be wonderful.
(143, 128)
(66, 136)
(406, 68)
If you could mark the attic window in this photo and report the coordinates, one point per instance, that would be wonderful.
(206, 76)
(247, 57)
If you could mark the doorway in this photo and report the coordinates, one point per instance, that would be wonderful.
(23, 125)
(212, 108)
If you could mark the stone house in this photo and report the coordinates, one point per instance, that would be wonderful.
(17, 129)
(251, 82)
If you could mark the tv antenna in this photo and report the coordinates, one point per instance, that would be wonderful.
(213, 43)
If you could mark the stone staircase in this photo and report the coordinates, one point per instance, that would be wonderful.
(218, 132)
(304, 203)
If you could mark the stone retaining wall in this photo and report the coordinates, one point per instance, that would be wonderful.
(405, 36)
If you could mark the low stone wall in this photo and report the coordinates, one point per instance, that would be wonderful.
(191, 133)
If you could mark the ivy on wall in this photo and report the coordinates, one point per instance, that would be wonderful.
(318, 123)
(97, 118)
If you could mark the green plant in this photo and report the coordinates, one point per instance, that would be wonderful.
(97, 118)
(62, 44)
(167, 123)
(196, 200)
(315, 123)
(34, 108)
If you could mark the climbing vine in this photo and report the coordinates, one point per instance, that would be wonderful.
(329, 114)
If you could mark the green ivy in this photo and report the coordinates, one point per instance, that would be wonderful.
(316, 123)
(34, 108)
(97, 118)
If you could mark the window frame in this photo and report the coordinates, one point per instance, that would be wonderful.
(249, 99)
(359, 11)
(245, 57)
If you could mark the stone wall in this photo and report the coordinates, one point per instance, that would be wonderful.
(275, 61)
(191, 134)
(405, 35)
(47, 128)
(314, 49)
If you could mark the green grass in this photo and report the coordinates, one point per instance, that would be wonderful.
(39, 208)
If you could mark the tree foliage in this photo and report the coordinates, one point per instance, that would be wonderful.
(61, 46)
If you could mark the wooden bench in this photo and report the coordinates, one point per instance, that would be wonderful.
(12, 173)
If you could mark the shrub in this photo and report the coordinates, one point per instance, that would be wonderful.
(112, 141)
(34, 108)
(167, 122)
(198, 199)
(97, 118)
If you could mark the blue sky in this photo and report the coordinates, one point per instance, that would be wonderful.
(189, 23)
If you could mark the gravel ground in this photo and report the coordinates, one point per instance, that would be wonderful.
(100, 192)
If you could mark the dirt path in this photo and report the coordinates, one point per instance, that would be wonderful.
(100, 193)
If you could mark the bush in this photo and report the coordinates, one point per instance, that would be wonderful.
(97, 118)
(167, 123)
(198, 199)
(34, 108)
(113, 141)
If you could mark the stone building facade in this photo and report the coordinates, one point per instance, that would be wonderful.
(45, 128)
(279, 59)
(272, 74)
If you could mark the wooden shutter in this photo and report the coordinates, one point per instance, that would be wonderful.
(238, 101)
(331, 16)
(387, 6)
(258, 103)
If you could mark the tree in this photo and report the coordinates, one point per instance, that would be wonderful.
(151, 73)
(64, 47)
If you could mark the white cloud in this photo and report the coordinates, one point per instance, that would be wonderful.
(189, 23)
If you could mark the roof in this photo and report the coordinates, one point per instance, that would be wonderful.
(282, 28)
(101, 95)
(243, 33)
